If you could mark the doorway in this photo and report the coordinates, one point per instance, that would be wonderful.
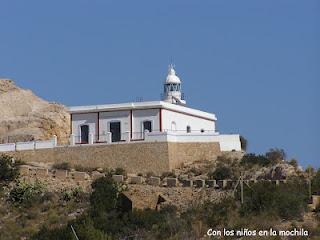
(147, 125)
(115, 130)
(84, 130)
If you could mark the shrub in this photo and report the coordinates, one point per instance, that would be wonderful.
(149, 174)
(275, 155)
(249, 160)
(315, 183)
(83, 226)
(120, 171)
(62, 166)
(81, 168)
(167, 174)
(244, 143)
(52, 234)
(294, 163)
(286, 201)
(218, 213)
(104, 195)
(66, 195)
(26, 193)
(220, 173)
(77, 194)
(8, 168)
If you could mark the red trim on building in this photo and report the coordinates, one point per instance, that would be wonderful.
(131, 124)
(160, 119)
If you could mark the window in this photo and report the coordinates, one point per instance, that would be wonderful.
(188, 129)
(147, 125)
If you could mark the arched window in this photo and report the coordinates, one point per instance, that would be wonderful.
(188, 129)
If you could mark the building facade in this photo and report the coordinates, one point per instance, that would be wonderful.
(133, 121)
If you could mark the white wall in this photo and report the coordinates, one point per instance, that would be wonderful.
(90, 119)
(25, 146)
(7, 147)
(44, 144)
(229, 142)
(182, 121)
(139, 116)
(107, 117)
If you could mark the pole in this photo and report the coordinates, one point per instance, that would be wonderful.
(74, 232)
(241, 186)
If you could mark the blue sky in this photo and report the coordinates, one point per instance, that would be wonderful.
(256, 64)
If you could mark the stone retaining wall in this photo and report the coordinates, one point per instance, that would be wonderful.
(65, 175)
(140, 157)
(180, 153)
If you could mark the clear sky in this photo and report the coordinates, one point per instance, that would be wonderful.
(256, 64)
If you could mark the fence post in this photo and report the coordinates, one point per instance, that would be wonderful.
(145, 134)
(91, 138)
(127, 136)
(72, 140)
(109, 137)
(54, 141)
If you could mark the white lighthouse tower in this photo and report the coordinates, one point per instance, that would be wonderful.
(172, 88)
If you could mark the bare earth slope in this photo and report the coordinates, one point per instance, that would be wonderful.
(24, 116)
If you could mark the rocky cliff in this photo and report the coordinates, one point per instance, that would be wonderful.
(24, 116)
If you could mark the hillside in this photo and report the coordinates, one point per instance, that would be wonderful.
(24, 116)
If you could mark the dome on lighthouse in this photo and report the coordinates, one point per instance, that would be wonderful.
(172, 77)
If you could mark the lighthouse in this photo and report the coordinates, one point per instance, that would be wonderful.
(172, 88)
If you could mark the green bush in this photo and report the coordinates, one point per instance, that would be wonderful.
(8, 168)
(149, 174)
(275, 155)
(219, 213)
(81, 168)
(62, 166)
(286, 201)
(53, 234)
(167, 174)
(315, 183)
(220, 173)
(104, 195)
(120, 171)
(244, 143)
(26, 193)
(76, 194)
(249, 160)
(294, 163)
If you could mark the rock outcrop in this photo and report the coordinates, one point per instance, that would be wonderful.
(25, 117)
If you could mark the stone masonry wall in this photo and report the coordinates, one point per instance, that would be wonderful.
(191, 152)
(134, 157)
(139, 157)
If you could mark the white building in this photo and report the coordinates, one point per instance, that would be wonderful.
(166, 120)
